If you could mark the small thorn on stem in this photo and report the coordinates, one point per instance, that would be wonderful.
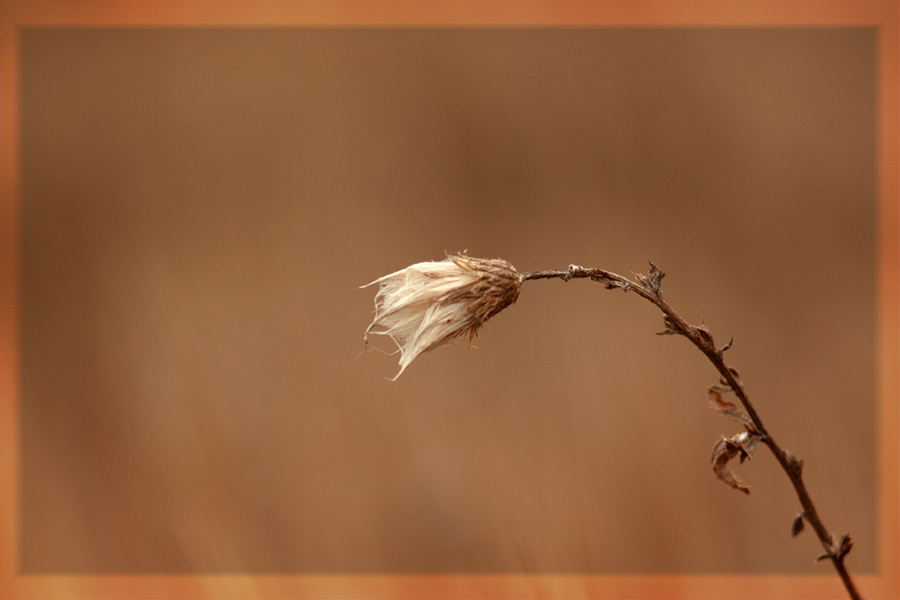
(726, 346)
(797, 525)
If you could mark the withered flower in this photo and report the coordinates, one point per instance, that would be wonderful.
(432, 304)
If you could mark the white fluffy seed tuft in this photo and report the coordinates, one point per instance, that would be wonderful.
(432, 304)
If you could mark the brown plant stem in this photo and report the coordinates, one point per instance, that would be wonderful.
(648, 287)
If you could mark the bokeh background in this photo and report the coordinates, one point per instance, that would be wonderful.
(200, 206)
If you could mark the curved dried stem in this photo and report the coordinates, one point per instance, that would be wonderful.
(648, 287)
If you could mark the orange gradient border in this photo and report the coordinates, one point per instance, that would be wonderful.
(879, 14)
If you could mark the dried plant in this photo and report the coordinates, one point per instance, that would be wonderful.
(432, 304)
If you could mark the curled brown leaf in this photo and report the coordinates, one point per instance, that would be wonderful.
(729, 409)
(725, 450)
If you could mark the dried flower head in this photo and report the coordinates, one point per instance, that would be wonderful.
(431, 304)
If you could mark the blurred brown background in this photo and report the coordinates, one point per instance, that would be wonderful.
(200, 207)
